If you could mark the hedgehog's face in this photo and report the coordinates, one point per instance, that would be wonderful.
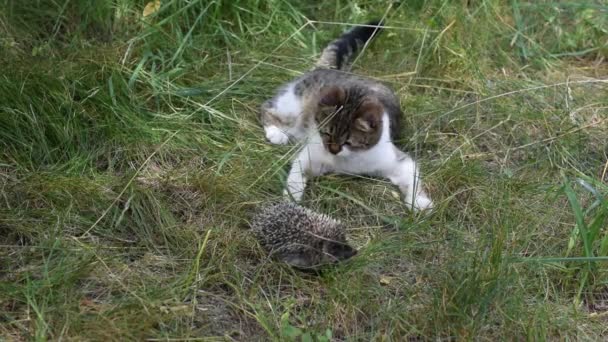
(335, 251)
(326, 253)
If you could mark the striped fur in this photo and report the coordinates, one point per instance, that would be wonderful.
(338, 53)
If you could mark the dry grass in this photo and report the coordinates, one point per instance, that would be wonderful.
(132, 160)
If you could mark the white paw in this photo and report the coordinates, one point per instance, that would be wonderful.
(421, 202)
(276, 136)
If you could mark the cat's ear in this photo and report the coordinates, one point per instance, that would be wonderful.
(370, 118)
(367, 123)
(332, 96)
(364, 125)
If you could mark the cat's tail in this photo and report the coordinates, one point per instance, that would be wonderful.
(339, 52)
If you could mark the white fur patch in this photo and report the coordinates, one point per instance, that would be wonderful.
(383, 160)
(288, 104)
(275, 135)
(422, 202)
(375, 160)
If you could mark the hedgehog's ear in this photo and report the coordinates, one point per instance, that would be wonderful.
(341, 251)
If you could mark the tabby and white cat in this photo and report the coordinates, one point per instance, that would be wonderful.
(347, 123)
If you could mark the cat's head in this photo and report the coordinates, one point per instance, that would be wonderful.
(348, 118)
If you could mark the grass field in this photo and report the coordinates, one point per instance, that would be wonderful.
(131, 160)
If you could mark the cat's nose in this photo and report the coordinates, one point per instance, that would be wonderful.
(334, 148)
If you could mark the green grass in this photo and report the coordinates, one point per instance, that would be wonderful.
(131, 160)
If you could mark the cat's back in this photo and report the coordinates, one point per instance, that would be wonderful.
(324, 77)
(313, 81)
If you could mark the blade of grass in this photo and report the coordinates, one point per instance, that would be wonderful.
(559, 259)
(181, 46)
(520, 29)
(395, 221)
(579, 217)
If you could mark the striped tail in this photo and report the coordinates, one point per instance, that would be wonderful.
(339, 52)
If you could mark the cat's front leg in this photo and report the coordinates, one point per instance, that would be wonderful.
(406, 176)
(273, 129)
(298, 175)
(308, 163)
(275, 135)
(301, 169)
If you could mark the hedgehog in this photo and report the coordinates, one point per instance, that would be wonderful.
(300, 237)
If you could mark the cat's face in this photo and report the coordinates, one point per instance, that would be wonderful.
(348, 119)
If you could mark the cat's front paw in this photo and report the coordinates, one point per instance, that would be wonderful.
(421, 203)
(275, 136)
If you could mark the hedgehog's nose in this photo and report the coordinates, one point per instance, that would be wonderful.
(351, 253)
(346, 253)
(334, 148)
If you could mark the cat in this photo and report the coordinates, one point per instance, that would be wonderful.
(347, 123)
